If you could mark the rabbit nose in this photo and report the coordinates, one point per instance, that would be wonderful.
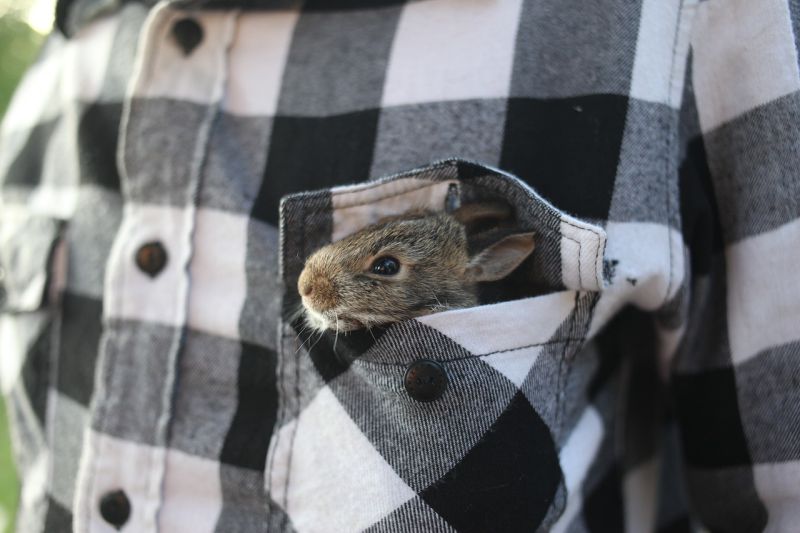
(304, 284)
(318, 291)
(306, 287)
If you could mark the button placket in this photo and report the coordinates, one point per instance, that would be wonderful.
(155, 239)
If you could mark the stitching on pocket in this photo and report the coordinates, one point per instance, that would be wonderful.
(668, 147)
(297, 392)
(471, 356)
(551, 215)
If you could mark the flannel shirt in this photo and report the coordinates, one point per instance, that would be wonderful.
(165, 170)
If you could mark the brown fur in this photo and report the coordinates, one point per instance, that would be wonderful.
(340, 292)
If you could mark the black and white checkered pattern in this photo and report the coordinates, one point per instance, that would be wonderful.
(651, 146)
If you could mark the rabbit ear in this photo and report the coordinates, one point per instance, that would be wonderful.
(500, 259)
(471, 215)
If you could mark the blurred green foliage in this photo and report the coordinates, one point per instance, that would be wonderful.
(8, 481)
(19, 45)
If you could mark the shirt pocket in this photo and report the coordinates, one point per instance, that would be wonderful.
(448, 421)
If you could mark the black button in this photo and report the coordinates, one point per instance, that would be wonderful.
(115, 508)
(425, 380)
(151, 258)
(188, 34)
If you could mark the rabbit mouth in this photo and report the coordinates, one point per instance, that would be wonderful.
(331, 320)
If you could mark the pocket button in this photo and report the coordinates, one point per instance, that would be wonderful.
(425, 380)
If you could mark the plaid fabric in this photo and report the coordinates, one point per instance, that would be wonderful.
(646, 379)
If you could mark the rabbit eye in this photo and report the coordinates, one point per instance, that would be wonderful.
(385, 266)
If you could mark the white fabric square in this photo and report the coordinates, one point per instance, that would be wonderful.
(763, 309)
(34, 490)
(337, 480)
(649, 268)
(33, 98)
(257, 58)
(192, 494)
(452, 50)
(68, 419)
(504, 326)
(661, 48)
(744, 56)
(85, 59)
(217, 275)
(778, 488)
(514, 364)
(576, 457)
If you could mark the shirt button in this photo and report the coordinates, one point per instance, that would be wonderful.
(188, 34)
(151, 258)
(115, 508)
(425, 380)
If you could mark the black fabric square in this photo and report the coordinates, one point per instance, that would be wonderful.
(248, 437)
(57, 519)
(98, 133)
(710, 424)
(36, 372)
(333, 354)
(681, 524)
(26, 169)
(313, 153)
(699, 212)
(81, 328)
(603, 508)
(567, 149)
(508, 480)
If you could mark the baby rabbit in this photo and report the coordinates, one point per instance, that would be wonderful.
(404, 267)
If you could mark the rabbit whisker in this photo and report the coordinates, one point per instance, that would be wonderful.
(299, 335)
(321, 334)
(336, 337)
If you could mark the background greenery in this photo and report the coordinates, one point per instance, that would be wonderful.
(23, 24)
